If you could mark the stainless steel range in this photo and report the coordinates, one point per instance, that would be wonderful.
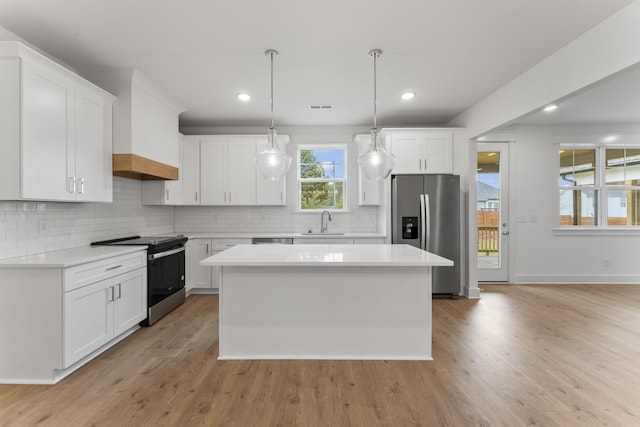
(165, 272)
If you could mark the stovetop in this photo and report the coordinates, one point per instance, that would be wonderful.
(152, 243)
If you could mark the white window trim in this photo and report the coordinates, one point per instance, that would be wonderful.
(600, 187)
(344, 180)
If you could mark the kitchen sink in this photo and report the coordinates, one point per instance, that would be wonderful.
(311, 233)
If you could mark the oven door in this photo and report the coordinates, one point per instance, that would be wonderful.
(165, 274)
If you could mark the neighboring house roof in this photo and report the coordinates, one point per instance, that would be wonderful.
(487, 192)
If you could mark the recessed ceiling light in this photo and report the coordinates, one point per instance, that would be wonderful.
(550, 107)
(244, 97)
(408, 95)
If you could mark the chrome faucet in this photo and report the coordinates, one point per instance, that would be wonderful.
(323, 226)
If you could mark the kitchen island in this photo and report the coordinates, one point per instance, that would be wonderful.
(325, 301)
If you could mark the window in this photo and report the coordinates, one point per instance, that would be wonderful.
(599, 185)
(322, 183)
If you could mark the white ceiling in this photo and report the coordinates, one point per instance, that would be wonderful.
(615, 100)
(452, 53)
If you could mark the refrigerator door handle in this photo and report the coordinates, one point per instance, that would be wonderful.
(427, 221)
(423, 221)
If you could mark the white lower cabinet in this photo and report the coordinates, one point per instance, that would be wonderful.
(95, 314)
(62, 317)
(202, 279)
(197, 275)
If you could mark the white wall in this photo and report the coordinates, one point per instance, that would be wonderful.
(35, 227)
(541, 254)
(606, 49)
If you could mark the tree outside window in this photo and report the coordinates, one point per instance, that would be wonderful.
(321, 178)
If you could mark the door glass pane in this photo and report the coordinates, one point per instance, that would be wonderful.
(578, 207)
(488, 209)
(623, 207)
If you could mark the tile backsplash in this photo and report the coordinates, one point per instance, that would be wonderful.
(35, 227)
(362, 219)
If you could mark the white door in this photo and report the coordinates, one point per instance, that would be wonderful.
(213, 172)
(241, 168)
(198, 276)
(269, 192)
(493, 211)
(92, 153)
(408, 152)
(48, 154)
(190, 171)
(88, 320)
(129, 300)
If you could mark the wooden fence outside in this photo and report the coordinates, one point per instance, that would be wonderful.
(488, 231)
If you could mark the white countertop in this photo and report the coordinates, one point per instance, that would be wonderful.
(326, 255)
(68, 257)
(220, 235)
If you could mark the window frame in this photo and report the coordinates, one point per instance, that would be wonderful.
(299, 180)
(600, 187)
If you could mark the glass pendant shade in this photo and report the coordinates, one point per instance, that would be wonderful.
(273, 163)
(377, 163)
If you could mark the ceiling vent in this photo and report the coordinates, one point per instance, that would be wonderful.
(320, 107)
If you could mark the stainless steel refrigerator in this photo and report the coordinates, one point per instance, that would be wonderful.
(426, 214)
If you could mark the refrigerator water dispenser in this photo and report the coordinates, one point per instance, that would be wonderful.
(409, 227)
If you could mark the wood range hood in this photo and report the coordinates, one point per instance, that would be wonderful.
(138, 167)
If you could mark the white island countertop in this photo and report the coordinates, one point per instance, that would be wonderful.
(326, 255)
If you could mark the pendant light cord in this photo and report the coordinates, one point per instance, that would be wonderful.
(271, 53)
(375, 93)
(375, 53)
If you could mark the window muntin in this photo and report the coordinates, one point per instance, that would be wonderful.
(322, 178)
(599, 181)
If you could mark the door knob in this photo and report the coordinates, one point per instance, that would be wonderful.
(505, 233)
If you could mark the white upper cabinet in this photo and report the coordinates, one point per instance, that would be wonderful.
(268, 192)
(55, 133)
(421, 150)
(370, 191)
(190, 170)
(167, 192)
(227, 170)
(220, 170)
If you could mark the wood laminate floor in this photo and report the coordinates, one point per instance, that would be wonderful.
(540, 355)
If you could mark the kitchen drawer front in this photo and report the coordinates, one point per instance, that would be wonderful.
(86, 274)
(222, 244)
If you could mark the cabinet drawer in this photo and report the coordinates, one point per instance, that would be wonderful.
(86, 274)
(222, 244)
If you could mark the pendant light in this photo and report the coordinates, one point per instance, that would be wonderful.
(272, 162)
(377, 163)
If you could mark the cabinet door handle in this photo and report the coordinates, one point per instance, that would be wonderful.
(113, 268)
(364, 196)
(110, 294)
(118, 291)
(71, 188)
(196, 196)
(81, 185)
(281, 198)
(207, 249)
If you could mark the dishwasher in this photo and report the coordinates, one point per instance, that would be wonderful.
(272, 240)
